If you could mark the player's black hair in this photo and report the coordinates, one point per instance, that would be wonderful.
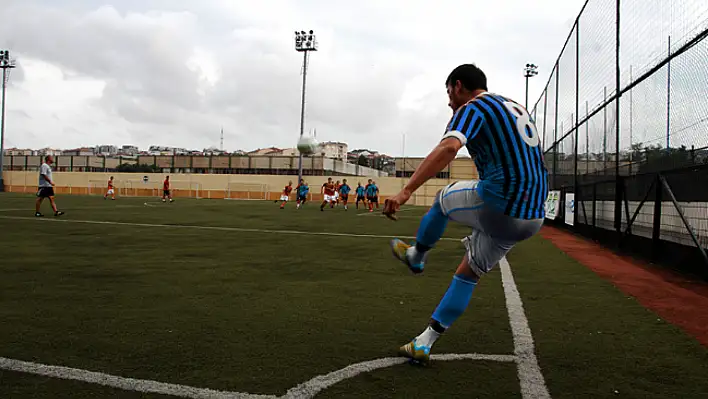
(472, 78)
(47, 158)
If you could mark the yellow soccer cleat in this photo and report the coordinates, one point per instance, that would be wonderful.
(400, 250)
(417, 354)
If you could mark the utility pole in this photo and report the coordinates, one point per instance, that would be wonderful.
(304, 43)
(6, 64)
(530, 71)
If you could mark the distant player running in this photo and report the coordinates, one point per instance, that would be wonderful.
(360, 192)
(336, 193)
(110, 190)
(504, 207)
(46, 187)
(285, 196)
(372, 195)
(344, 190)
(328, 191)
(166, 194)
(302, 190)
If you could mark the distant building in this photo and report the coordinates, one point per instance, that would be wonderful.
(128, 150)
(334, 149)
(165, 150)
(83, 151)
(270, 151)
(106, 150)
(19, 152)
(291, 152)
(213, 151)
(49, 151)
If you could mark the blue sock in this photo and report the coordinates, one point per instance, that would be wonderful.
(455, 300)
(431, 228)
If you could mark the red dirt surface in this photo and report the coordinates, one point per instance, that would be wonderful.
(673, 297)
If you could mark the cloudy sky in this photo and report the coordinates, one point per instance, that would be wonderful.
(173, 72)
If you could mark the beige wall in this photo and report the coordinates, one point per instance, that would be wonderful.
(205, 185)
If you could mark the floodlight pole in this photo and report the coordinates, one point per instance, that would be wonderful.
(302, 112)
(530, 71)
(304, 42)
(5, 64)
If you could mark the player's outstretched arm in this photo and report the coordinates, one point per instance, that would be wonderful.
(441, 156)
(434, 163)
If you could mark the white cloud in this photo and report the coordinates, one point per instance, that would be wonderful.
(173, 72)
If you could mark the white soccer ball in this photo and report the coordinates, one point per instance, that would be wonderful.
(307, 145)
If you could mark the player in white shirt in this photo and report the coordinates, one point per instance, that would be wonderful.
(46, 187)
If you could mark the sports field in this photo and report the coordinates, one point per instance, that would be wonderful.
(135, 298)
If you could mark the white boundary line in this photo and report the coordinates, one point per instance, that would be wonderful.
(73, 209)
(215, 228)
(533, 386)
(314, 386)
(306, 390)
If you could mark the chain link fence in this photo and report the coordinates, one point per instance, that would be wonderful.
(624, 122)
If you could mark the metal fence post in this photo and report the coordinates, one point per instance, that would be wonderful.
(577, 99)
(619, 186)
(555, 132)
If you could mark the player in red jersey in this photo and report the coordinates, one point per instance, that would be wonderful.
(166, 190)
(328, 191)
(110, 190)
(286, 194)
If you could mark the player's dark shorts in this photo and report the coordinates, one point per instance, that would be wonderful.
(165, 192)
(345, 197)
(302, 198)
(373, 198)
(360, 198)
(45, 192)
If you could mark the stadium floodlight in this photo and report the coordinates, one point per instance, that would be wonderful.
(530, 70)
(304, 43)
(6, 63)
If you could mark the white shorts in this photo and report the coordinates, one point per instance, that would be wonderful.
(110, 192)
(493, 233)
(284, 197)
(336, 196)
(329, 198)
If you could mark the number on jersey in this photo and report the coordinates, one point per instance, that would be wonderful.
(524, 126)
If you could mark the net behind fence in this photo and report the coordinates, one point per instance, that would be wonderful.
(625, 102)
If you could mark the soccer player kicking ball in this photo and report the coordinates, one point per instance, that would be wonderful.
(504, 207)
(302, 190)
(286, 194)
(110, 190)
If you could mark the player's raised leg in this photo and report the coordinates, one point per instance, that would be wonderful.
(429, 233)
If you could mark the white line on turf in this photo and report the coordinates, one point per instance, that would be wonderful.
(72, 209)
(312, 387)
(533, 386)
(305, 390)
(215, 228)
(128, 384)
